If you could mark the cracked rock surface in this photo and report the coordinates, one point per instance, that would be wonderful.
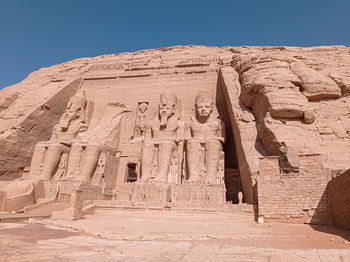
(287, 100)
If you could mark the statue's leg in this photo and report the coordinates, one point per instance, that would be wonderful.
(90, 161)
(146, 160)
(74, 160)
(194, 153)
(166, 149)
(213, 148)
(37, 159)
(52, 159)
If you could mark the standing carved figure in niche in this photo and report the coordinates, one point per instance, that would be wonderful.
(141, 119)
(47, 155)
(205, 142)
(163, 136)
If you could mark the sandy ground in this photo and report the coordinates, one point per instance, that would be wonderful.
(170, 236)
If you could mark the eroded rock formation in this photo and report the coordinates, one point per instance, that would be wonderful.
(273, 101)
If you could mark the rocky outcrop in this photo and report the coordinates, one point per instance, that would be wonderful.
(283, 101)
(290, 89)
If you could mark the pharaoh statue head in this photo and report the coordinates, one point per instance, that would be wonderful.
(167, 107)
(204, 104)
(75, 109)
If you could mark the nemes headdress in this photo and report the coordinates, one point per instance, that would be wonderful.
(203, 95)
(168, 98)
(165, 98)
(79, 99)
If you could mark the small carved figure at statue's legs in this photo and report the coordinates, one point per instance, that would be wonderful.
(52, 159)
(146, 160)
(194, 153)
(37, 160)
(74, 160)
(240, 197)
(166, 149)
(90, 162)
(155, 153)
(213, 148)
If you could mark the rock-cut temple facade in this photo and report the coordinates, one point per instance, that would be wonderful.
(186, 126)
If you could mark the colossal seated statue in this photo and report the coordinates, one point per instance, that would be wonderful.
(72, 125)
(90, 156)
(47, 156)
(162, 148)
(204, 145)
(84, 156)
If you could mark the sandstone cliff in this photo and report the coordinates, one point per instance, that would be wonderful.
(283, 101)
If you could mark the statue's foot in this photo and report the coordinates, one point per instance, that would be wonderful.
(194, 179)
(209, 181)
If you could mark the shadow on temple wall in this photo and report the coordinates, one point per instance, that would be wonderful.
(12, 176)
(322, 219)
(225, 108)
(18, 146)
(331, 229)
(232, 175)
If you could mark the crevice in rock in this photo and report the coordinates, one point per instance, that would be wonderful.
(232, 177)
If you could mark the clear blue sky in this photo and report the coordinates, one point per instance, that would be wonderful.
(41, 33)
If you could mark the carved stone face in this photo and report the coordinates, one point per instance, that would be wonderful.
(166, 108)
(204, 108)
(71, 113)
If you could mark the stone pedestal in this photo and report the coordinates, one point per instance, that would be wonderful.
(63, 190)
(198, 193)
(75, 209)
(144, 192)
(177, 193)
(17, 195)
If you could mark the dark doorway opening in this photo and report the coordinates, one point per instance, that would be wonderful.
(131, 175)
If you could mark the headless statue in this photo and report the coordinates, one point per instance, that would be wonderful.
(103, 139)
(71, 125)
(163, 136)
(205, 143)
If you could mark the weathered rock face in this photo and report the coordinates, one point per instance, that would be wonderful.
(283, 101)
(299, 97)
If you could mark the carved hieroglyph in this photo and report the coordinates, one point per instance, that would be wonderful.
(205, 142)
(163, 137)
(141, 119)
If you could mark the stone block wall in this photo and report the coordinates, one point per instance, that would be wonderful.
(295, 197)
(268, 166)
(339, 189)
